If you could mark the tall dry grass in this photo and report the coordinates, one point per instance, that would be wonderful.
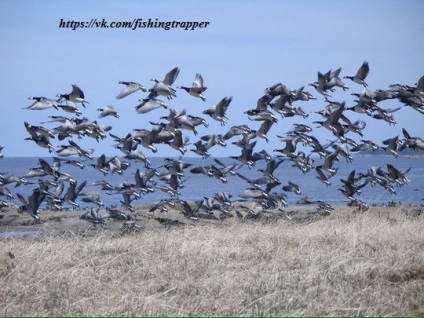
(364, 264)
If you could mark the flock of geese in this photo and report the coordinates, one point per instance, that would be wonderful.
(59, 189)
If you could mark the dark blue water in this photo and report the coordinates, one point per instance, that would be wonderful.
(198, 186)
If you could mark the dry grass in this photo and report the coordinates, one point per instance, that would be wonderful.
(356, 264)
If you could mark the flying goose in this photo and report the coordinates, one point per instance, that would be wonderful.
(76, 96)
(149, 104)
(218, 111)
(32, 205)
(292, 187)
(41, 103)
(197, 89)
(360, 75)
(108, 110)
(322, 177)
(130, 87)
(164, 88)
(94, 217)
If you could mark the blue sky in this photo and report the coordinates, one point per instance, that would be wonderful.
(248, 46)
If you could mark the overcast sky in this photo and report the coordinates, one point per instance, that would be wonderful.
(248, 46)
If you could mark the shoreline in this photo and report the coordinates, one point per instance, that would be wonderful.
(15, 224)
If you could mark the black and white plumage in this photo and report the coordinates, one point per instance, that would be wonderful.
(76, 96)
(164, 88)
(130, 87)
(360, 75)
(197, 89)
(32, 205)
(41, 103)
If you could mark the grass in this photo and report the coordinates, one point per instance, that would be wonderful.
(365, 264)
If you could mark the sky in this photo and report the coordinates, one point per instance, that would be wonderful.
(247, 46)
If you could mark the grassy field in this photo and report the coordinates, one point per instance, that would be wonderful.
(365, 264)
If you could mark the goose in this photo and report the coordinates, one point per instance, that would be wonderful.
(283, 106)
(202, 148)
(4, 180)
(164, 88)
(292, 187)
(219, 139)
(178, 143)
(109, 110)
(231, 169)
(73, 192)
(398, 176)
(224, 198)
(350, 189)
(76, 96)
(299, 128)
(246, 139)
(253, 193)
(91, 197)
(142, 178)
(146, 138)
(329, 161)
(1, 153)
(32, 205)
(416, 143)
(261, 105)
(73, 162)
(332, 124)
(197, 89)
(35, 172)
(271, 166)
(180, 120)
(6, 192)
(261, 155)
(81, 152)
(322, 177)
(218, 111)
(130, 87)
(161, 205)
(104, 185)
(236, 131)
(264, 129)
(360, 75)
(290, 148)
(343, 151)
(70, 108)
(115, 214)
(321, 85)
(246, 155)
(278, 89)
(256, 183)
(39, 130)
(41, 103)
(48, 169)
(299, 94)
(149, 104)
(41, 141)
(101, 165)
(366, 145)
(394, 145)
(94, 217)
(66, 151)
(137, 155)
